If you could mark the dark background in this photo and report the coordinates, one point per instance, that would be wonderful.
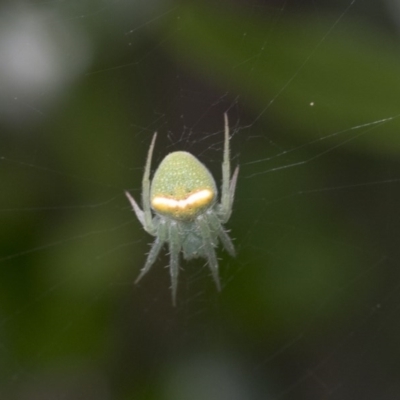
(310, 307)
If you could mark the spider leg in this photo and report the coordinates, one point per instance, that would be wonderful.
(232, 186)
(225, 213)
(174, 249)
(224, 237)
(144, 216)
(209, 250)
(226, 171)
(228, 184)
(154, 251)
(148, 223)
(139, 213)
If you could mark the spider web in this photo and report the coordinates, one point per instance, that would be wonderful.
(309, 306)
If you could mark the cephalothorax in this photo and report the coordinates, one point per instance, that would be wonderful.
(183, 197)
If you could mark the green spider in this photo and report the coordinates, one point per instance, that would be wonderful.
(183, 197)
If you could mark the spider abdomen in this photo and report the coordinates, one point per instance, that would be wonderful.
(182, 187)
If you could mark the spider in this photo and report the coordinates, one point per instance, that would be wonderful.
(187, 216)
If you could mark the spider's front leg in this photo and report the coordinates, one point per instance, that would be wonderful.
(149, 228)
(139, 213)
(148, 219)
(225, 207)
(144, 216)
(228, 184)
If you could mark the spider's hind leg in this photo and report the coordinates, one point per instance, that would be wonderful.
(209, 251)
(216, 225)
(155, 249)
(174, 249)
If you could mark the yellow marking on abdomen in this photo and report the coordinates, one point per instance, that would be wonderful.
(195, 200)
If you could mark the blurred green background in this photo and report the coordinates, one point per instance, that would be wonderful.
(310, 307)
